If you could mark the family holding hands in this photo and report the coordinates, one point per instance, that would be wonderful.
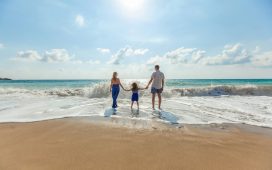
(157, 80)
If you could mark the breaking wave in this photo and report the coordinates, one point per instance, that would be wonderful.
(243, 90)
(101, 90)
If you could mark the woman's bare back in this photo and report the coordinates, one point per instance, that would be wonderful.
(116, 81)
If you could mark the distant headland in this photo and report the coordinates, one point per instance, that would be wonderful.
(5, 78)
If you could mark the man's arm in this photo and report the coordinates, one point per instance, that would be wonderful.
(150, 81)
(162, 81)
(141, 88)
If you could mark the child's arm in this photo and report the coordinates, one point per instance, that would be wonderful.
(127, 89)
(142, 88)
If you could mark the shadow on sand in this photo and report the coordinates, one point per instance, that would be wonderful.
(167, 116)
(109, 112)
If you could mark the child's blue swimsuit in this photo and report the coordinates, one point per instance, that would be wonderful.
(135, 96)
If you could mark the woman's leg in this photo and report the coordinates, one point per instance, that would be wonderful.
(115, 92)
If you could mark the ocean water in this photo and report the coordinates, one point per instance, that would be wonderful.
(185, 101)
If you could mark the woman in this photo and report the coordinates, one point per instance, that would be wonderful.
(114, 89)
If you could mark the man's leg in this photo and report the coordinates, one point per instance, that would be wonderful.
(159, 96)
(153, 100)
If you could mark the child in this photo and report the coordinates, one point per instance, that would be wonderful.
(135, 95)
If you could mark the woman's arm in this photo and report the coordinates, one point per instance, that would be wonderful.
(111, 85)
(127, 89)
(121, 84)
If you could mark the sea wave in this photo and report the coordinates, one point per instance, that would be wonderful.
(241, 90)
(101, 90)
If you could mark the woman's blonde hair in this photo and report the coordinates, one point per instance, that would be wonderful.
(114, 76)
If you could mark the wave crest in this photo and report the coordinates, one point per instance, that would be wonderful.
(246, 90)
(101, 90)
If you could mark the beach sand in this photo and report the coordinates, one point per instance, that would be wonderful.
(76, 143)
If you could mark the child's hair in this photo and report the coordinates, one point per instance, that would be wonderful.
(134, 86)
(114, 76)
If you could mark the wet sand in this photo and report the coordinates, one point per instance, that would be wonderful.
(76, 143)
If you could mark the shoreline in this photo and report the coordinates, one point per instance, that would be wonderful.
(79, 143)
(113, 122)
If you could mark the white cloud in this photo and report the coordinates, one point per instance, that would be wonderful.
(80, 20)
(257, 50)
(103, 50)
(28, 55)
(125, 52)
(116, 58)
(56, 55)
(231, 54)
(141, 51)
(1, 45)
(156, 60)
(179, 56)
(262, 59)
(198, 55)
(50, 56)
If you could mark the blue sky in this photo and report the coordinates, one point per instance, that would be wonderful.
(57, 39)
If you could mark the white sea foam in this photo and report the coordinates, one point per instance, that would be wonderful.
(27, 106)
(195, 105)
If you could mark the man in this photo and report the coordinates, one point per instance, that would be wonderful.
(157, 80)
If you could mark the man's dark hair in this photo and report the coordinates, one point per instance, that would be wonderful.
(157, 67)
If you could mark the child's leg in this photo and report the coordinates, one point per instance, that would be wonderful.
(137, 104)
(131, 104)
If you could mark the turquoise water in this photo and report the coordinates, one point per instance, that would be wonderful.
(42, 84)
(209, 82)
